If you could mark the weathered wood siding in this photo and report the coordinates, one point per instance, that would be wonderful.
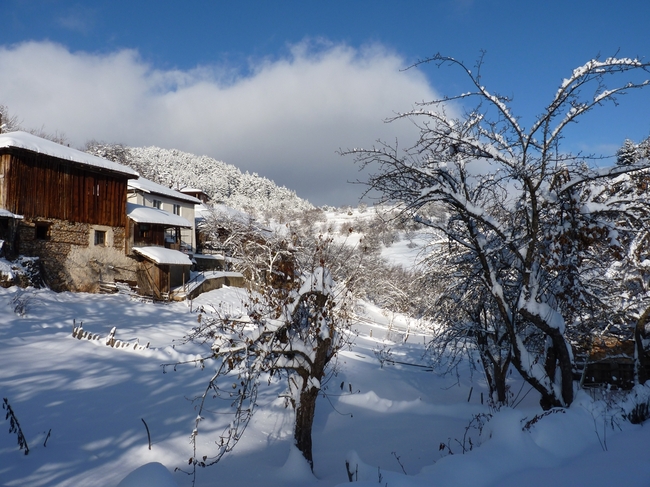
(38, 186)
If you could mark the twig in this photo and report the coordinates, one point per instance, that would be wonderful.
(398, 461)
(148, 434)
(14, 427)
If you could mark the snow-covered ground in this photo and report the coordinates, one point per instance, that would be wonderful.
(81, 405)
(408, 249)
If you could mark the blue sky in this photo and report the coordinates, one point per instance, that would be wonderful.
(278, 87)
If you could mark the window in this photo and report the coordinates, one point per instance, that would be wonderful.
(42, 231)
(100, 238)
(143, 231)
(177, 209)
(171, 235)
(157, 204)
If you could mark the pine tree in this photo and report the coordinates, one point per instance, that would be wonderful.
(627, 154)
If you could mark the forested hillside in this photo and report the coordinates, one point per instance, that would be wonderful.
(222, 182)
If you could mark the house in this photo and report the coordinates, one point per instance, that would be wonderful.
(149, 194)
(161, 270)
(196, 193)
(154, 239)
(70, 209)
(66, 207)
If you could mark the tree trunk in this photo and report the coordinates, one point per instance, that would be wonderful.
(640, 371)
(304, 422)
(306, 408)
(495, 372)
(557, 355)
(500, 373)
(565, 363)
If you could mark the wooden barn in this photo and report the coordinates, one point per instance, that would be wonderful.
(66, 207)
(161, 270)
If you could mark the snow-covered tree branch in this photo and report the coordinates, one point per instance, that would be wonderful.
(290, 334)
(532, 227)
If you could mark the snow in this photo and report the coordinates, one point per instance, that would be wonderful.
(24, 140)
(161, 255)
(220, 181)
(154, 188)
(7, 214)
(6, 269)
(387, 420)
(155, 216)
(191, 190)
(318, 281)
(152, 474)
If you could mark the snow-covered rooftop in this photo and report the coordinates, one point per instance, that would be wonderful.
(161, 255)
(209, 256)
(154, 216)
(24, 140)
(192, 190)
(7, 214)
(154, 188)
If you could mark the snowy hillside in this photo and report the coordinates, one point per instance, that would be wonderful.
(83, 405)
(222, 182)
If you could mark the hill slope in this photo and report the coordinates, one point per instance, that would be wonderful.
(222, 182)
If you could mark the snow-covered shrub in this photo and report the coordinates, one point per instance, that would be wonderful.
(636, 405)
(22, 272)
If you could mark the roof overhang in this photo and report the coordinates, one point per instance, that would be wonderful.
(163, 256)
(147, 186)
(24, 141)
(154, 216)
(7, 214)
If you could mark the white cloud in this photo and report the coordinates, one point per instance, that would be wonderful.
(284, 119)
(80, 19)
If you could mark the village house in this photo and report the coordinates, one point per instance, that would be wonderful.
(93, 224)
(147, 193)
(196, 193)
(155, 242)
(66, 207)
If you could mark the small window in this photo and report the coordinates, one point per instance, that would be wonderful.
(100, 238)
(143, 231)
(171, 235)
(177, 209)
(42, 231)
(157, 204)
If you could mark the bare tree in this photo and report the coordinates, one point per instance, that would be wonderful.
(290, 334)
(471, 320)
(264, 256)
(11, 123)
(520, 207)
(8, 123)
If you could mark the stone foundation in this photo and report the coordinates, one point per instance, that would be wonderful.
(70, 257)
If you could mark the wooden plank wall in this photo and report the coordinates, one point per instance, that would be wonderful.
(38, 186)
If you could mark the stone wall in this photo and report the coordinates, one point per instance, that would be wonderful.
(231, 279)
(70, 258)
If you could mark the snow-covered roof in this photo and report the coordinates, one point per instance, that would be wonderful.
(161, 255)
(7, 214)
(154, 216)
(24, 140)
(192, 190)
(209, 256)
(148, 186)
